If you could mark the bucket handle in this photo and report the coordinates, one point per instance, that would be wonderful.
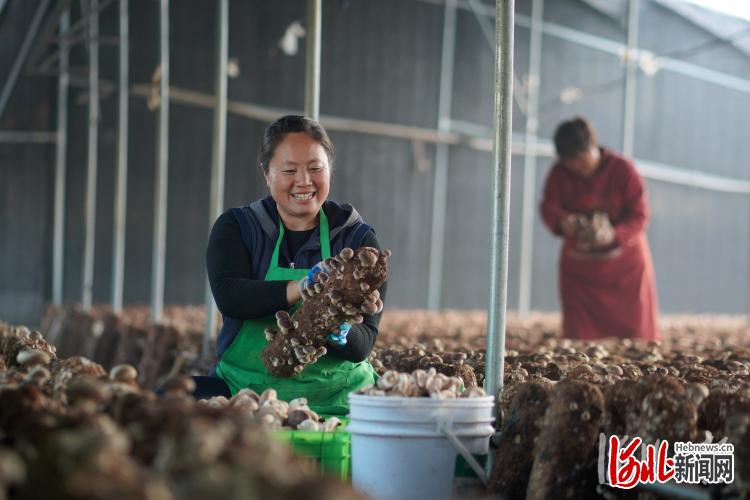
(446, 427)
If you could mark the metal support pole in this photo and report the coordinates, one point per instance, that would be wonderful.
(529, 159)
(440, 188)
(61, 151)
(501, 200)
(478, 8)
(121, 186)
(162, 158)
(93, 141)
(312, 63)
(23, 53)
(631, 78)
(219, 153)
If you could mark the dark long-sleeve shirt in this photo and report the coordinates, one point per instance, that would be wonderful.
(238, 294)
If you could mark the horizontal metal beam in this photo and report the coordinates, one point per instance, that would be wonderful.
(462, 133)
(670, 173)
(618, 49)
(74, 39)
(37, 137)
(268, 114)
(106, 87)
(692, 178)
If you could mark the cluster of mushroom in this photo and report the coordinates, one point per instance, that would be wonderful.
(615, 387)
(466, 364)
(172, 345)
(421, 383)
(275, 413)
(72, 430)
(14, 339)
(592, 228)
(346, 290)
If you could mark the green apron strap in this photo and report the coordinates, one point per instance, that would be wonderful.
(325, 243)
(325, 383)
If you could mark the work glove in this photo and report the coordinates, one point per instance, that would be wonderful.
(339, 338)
(310, 279)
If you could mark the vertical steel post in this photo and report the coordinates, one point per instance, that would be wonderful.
(312, 62)
(121, 183)
(529, 159)
(162, 162)
(440, 186)
(219, 152)
(93, 142)
(501, 199)
(61, 151)
(631, 78)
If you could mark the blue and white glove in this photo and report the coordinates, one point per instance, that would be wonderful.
(310, 279)
(340, 337)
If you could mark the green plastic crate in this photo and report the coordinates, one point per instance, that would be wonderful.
(330, 451)
(463, 469)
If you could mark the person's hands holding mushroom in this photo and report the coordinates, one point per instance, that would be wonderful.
(338, 337)
(312, 275)
(569, 225)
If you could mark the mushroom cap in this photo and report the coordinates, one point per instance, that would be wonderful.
(86, 389)
(124, 373)
(12, 468)
(32, 357)
(38, 374)
(179, 383)
(296, 417)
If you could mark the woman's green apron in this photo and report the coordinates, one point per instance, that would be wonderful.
(326, 384)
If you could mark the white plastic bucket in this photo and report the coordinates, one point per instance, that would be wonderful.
(406, 448)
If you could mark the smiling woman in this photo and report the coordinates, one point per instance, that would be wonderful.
(259, 256)
(298, 176)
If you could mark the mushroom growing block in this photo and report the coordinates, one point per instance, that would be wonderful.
(344, 294)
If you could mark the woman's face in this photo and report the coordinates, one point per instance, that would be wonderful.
(298, 177)
(583, 164)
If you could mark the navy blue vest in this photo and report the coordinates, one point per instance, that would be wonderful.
(259, 227)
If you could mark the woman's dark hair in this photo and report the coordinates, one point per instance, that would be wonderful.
(290, 124)
(574, 137)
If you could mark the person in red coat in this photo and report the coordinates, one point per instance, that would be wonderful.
(596, 201)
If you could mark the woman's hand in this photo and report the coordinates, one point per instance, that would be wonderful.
(293, 293)
(604, 233)
(569, 225)
(595, 234)
(338, 337)
(310, 279)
